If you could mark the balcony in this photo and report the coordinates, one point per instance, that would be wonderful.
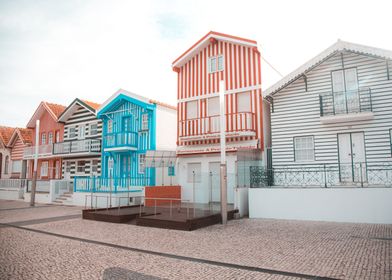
(237, 124)
(120, 141)
(346, 106)
(70, 148)
(43, 151)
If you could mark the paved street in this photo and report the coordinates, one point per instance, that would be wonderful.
(53, 242)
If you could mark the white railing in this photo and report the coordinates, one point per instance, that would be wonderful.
(13, 183)
(78, 146)
(42, 186)
(62, 186)
(43, 150)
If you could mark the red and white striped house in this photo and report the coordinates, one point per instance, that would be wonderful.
(21, 138)
(200, 69)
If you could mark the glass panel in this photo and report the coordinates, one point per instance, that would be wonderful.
(243, 102)
(337, 81)
(191, 109)
(213, 106)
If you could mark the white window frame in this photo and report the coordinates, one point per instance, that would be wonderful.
(50, 137)
(145, 120)
(302, 148)
(95, 130)
(211, 106)
(82, 131)
(72, 132)
(68, 167)
(94, 166)
(16, 166)
(109, 128)
(81, 166)
(239, 104)
(43, 138)
(141, 163)
(57, 136)
(44, 169)
(195, 116)
(194, 166)
(216, 67)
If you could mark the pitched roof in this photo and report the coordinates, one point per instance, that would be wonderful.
(204, 41)
(25, 134)
(93, 105)
(55, 110)
(339, 46)
(134, 96)
(5, 134)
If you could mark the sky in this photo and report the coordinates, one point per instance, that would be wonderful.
(57, 51)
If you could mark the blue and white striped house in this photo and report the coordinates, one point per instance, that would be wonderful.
(131, 125)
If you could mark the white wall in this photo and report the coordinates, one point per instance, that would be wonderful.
(11, 194)
(202, 189)
(358, 205)
(166, 130)
(39, 197)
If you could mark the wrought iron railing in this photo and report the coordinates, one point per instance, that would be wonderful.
(114, 185)
(77, 146)
(120, 139)
(345, 102)
(360, 174)
(235, 122)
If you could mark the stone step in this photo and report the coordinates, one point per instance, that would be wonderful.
(66, 195)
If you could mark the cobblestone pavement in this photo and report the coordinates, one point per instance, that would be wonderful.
(336, 250)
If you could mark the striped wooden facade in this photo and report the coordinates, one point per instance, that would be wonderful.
(128, 140)
(82, 117)
(297, 110)
(241, 73)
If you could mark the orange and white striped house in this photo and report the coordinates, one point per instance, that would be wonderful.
(216, 57)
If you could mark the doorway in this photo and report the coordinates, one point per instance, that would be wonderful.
(214, 181)
(352, 159)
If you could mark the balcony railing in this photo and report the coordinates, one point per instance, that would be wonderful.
(106, 185)
(346, 102)
(120, 139)
(43, 151)
(77, 146)
(235, 122)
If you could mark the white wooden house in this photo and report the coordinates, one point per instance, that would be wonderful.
(331, 119)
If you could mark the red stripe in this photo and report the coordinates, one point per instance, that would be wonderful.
(239, 66)
(231, 66)
(249, 68)
(209, 75)
(245, 78)
(235, 66)
(193, 76)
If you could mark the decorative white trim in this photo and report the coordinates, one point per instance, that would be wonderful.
(347, 117)
(120, 149)
(217, 135)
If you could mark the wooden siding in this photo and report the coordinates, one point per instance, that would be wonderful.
(17, 150)
(296, 112)
(242, 73)
(88, 167)
(82, 117)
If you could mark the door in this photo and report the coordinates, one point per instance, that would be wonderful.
(214, 181)
(57, 169)
(352, 160)
(345, 91)
(67, 171)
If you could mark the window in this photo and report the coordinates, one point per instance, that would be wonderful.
(142, 163)
(71, 132)
(57, 136)
(43, 138)
(304, 148)
(215, 63)
(109, 126)
(93, 129)
(82, 132)
(44, 169)
(81, 166)
(194, 172)
(145, 122)
(171, 171)
(390, 136)
(6, 164)
(213, 106)
(94, 166)
(16, 166)
(50, 137)
(243, 102)
(344, 80)
(191, 110)
(68, 166)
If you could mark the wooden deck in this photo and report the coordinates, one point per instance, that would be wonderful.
(182, 218)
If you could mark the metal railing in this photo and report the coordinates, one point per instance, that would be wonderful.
(361, 174)
(13, 183)
(120, 139)
(113, 185)
(345, 102)
(43, 150)
(178, 205)
(77, 146)
(235, 122)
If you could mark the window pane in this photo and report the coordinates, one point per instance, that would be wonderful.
(220, 63)
(351, 79)
(212, 64)
(304, 148)
(337, 81)
(243, 100)
(191, 110)
(213, 106)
